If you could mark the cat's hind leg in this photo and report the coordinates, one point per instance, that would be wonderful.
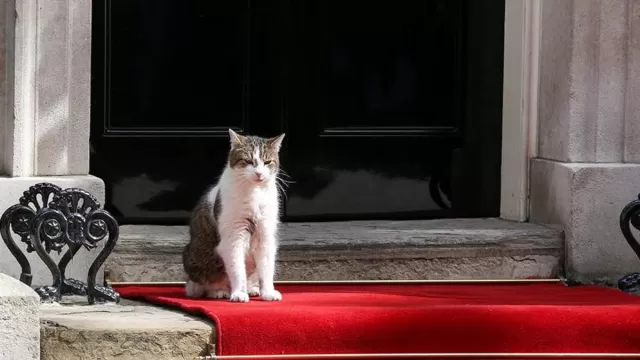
(253, 283)
(193, 289)
(253, 280)
(218, 289)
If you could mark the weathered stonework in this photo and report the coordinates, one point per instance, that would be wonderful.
(361, 250)
(588, 81)
(128, 331)
(588, 162)
(588, 198)
(19, 333)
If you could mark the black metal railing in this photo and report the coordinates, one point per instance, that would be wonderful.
(630, 217)
(48, 218)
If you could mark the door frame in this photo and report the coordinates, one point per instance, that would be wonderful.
(520, 105)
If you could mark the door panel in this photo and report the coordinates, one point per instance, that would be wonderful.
(168, 82)
(376, 115)
(375, 64)
(166, 63)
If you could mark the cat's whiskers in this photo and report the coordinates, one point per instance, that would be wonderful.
(284, 181)
(282, 188)
(283, 173)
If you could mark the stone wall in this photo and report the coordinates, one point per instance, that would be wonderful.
(6, 80)
(52, 89)
(587, 166)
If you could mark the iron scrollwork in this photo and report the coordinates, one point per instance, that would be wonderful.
(630, 216)
(48, 218)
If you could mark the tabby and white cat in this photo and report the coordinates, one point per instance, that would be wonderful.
(233, 228)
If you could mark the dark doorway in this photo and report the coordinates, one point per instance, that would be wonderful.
(392, 109)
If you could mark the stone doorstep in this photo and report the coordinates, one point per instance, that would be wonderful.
(366, 250)
(473, 248)
(126, 331)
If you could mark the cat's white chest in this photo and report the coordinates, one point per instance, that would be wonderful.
(261, 204)
(241, 202)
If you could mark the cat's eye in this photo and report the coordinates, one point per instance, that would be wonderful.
(248, 162)
(268, 162)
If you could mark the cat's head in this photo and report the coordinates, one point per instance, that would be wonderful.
(255, 158)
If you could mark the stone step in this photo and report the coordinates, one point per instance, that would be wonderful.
(366, 250)
(126, 331)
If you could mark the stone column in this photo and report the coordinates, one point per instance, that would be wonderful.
(45, 94)
(587, 167)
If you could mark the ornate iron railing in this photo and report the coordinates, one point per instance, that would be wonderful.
(48, 218)
(630, 216)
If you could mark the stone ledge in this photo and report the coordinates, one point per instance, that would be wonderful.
(19, 328)
(127, 331)
(360, 250)
(587, 199)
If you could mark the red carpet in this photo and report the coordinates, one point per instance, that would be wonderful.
(429, 318)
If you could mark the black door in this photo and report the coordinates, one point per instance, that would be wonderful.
(375, 98)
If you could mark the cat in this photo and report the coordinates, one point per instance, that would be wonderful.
(233, 228)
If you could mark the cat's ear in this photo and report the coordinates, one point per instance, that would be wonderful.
(235, 138)
(276, 142)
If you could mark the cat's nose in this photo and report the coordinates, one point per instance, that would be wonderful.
(260, 175)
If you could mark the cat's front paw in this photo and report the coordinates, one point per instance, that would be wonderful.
(271, 295)
(239, 296)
